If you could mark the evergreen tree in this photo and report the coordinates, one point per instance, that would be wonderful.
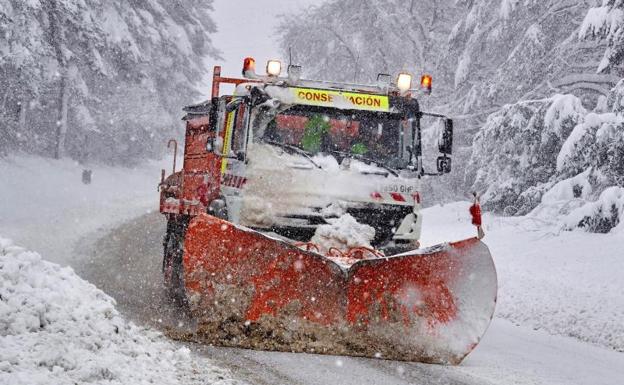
(95, 79)
(532, 52)
(607, 21)
(354, 40)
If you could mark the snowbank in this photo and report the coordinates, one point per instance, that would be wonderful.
(600, 216)
(56, 328)
(569, 189)
(565, 283)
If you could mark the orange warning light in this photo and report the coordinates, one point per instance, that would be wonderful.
(249, 66)
(426, 83)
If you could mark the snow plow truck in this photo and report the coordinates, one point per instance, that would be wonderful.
(261, 218)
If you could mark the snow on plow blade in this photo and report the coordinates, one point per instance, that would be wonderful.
(248, 290)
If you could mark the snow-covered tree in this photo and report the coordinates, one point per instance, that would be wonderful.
(23, 74)
(515, 152)
(354, 40)
(607, 21)
(532, 49)
(545, 152)
(597, 143)
(99, 79)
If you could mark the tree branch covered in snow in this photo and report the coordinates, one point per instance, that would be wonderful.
(606, 22)
(517, 149)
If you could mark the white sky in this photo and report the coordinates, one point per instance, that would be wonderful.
(246, 28)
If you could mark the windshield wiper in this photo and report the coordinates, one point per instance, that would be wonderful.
(294, 149)
(365, 159)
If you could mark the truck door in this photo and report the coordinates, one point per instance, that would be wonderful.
(202, 165)
(233, 168)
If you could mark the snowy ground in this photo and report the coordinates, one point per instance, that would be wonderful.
(507, 354)
(56, 328)
(553, 285)
(45, 207)
(563, 282)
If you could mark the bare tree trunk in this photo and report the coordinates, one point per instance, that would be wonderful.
(61, 123)
(21, 120)
(56, 35)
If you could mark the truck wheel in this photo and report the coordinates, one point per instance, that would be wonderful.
(218, 208)
(173, 268)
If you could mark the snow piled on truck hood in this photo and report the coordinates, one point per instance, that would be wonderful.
(56, 328)
(280, 183)
(343, 233)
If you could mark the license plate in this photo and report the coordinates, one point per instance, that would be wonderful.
(398, 188)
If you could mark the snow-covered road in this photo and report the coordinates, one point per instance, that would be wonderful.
(125, 264)
(550, 283)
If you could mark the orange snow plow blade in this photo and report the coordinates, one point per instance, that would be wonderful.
(248, 290)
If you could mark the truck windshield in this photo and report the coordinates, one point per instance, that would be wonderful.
(363, 134)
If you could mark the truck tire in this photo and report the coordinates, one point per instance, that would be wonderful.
(218, 208)
(173, 268)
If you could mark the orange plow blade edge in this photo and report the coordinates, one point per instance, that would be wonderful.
(248, 290)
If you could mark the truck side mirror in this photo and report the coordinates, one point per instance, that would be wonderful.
(444, 165)
(445, 146)
(233, 105)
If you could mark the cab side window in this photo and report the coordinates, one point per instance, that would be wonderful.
(239, 134)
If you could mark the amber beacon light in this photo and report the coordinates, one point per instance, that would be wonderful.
(249, 67)
(426, 83)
